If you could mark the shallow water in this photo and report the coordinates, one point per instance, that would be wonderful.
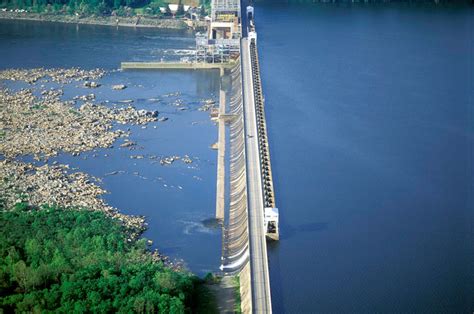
(176, 199)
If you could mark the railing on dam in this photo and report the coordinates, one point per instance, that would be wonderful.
(268, 192)
(271, 211)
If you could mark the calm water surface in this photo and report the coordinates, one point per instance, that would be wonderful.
(370, 116)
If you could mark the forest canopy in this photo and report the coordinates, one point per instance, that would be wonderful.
(82, 261)
(97, 7)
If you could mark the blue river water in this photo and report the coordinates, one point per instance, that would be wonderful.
(371, 124)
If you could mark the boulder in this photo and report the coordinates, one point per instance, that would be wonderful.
(91, 84)
(119, 87)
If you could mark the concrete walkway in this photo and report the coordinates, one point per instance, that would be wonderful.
(225, 294)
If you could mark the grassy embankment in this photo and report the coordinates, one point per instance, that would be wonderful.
(237, 306)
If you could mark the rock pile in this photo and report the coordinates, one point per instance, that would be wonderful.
(207, 105)
(119, 87)
(63, 76)
(128, 144)
(186, 159)
(45, 125)
(85, 97)
(56, 185)
(91, 84)
(168, 160)
(164, 161)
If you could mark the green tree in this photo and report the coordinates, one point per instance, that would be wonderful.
(64, 260)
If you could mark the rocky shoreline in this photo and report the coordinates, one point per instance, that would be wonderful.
(143, 22)
(44, 125)
(36, 121)
(58, 185)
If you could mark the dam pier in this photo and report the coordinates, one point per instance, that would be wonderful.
(250, 216)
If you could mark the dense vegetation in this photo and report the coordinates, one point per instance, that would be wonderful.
(98, 7)
(82, 261)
